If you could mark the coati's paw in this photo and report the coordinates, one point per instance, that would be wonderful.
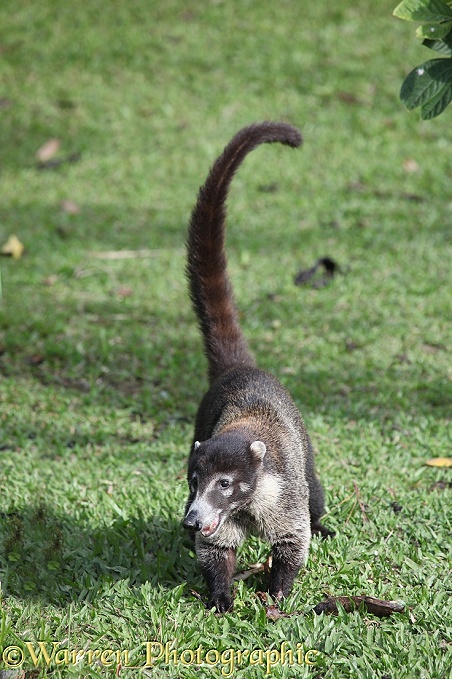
(318, 528)
(276, 588)
(276, 595)
(222, 602)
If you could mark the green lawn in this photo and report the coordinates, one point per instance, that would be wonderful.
(101, 365)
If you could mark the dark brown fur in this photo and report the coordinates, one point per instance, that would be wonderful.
(210, 289)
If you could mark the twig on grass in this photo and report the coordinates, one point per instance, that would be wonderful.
(378, 607)
(253, 569)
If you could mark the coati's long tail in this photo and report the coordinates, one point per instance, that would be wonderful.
(210, 289)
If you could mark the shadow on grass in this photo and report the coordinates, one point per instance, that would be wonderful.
(141, 355)
(170, 389)
(54, 559)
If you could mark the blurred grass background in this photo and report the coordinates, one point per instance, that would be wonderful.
(101, 367)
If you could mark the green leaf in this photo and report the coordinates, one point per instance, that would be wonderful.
(428, 86)
(434, 31)
(443, 46)
(436, 105)
(428, 11)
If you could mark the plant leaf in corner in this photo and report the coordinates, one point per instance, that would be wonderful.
(434, 31)
(428, 86)
(428, 11)
(443, 46)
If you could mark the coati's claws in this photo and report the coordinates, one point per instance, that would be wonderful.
(323, 531)
(222, 602)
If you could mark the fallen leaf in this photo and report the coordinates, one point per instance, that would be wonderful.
(48, 150)
(123, 291)
(347, 98)
(268, 188)
(414, 197)
(330, 267)
(70, 207)
(50, 280)
(433, 348)
(440, 485)
(36, 359)
(350, 346)
(272, 610)
(13, 247)
(410, 165)
(440, 462)
(273, 613)
(263, 597)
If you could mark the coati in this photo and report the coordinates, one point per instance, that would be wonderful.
(251, 464)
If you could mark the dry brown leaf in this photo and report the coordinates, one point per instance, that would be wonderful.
(123, 291)
(13, 247)
(272, 610)
(69, 207)
(347, 98)
(36, 359)
(410, 165)
(433, 348)
(438, 485)
(48, 150)
(440, 462)
(274, 613)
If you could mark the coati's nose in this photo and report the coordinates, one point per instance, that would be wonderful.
(192, 522)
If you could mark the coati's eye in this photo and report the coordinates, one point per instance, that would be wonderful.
(225, 483)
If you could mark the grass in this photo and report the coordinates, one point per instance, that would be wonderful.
(101, 364)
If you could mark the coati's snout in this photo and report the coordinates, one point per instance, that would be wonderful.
(207, 522)
(221, 482)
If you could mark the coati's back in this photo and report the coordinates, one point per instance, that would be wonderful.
(251, 464)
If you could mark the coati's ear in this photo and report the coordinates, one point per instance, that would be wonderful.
(196, 446)
(258, 449)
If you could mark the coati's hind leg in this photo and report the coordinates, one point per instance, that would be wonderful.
(218, 567)
(318, 528)
(316, 499)
(317, 508)
(288, 556)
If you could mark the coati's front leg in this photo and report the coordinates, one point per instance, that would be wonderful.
(288, 556)
(218, 567)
